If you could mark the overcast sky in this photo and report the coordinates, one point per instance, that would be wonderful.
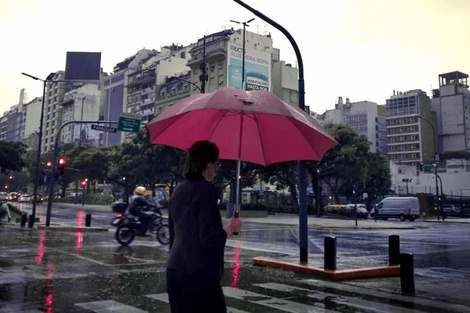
(356, 49)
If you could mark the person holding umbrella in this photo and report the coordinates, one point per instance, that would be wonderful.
(197, 236)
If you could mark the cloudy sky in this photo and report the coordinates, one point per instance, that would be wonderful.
(356, 49)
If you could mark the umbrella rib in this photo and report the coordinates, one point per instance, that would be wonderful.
(259, 136)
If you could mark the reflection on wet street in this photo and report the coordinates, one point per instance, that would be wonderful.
(73, 271)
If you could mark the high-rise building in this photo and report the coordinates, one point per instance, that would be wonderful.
(411, 128)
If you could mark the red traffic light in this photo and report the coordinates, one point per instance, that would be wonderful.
(84, 182)
(62, 161)
(49, 163)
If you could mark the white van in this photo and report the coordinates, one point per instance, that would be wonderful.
(398, 207)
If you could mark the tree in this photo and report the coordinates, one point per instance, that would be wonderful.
(282, 175)
(11, 156)
(345, 168)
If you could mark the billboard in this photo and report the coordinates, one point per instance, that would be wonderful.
(83, 66)
(257, 68)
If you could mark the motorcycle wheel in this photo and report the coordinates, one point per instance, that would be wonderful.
(125, 235)
(163, 234)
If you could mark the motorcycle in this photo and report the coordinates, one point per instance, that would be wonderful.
(128, 226)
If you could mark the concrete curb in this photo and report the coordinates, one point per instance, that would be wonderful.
(370, 272)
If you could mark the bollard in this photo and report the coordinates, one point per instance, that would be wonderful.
(330, 253)
(88, 220)
(407, 274)
(393, 250)
(30, 221)
(23, 220)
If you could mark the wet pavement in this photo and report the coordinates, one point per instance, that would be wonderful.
(69, 268)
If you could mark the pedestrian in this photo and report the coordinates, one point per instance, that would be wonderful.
(197, 236)
(4, 210)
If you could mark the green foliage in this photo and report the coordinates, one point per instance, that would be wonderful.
(349, 167)
(11, 156)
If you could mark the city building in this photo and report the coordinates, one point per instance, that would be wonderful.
(81, 104)
(411, 128)
(445, 144)
(365, 117)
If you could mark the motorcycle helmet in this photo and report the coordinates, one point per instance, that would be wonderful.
(139, 190)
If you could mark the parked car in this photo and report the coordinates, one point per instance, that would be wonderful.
(465, 210)
(335, 209)
(361, 210)
(24, 198)
(398, 207)
(449, 209)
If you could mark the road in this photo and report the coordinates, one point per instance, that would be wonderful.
(54, 271)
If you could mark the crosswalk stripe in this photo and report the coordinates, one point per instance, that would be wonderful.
(358, 303)
(110, 306)
(163, 297)
(271, 302)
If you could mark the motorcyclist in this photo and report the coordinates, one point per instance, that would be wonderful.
(138, 206)
(155, 206)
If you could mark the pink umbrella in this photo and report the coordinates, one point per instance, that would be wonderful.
(251, 126)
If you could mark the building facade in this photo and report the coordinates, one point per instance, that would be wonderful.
(365, 117)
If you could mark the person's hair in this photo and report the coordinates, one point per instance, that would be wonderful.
(200, 153)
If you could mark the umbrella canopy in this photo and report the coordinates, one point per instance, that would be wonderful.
(251, 126)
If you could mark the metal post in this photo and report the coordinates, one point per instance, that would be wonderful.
(83, 196)
(318, 196)
(38, 153)
(330, 253)
(243, 49)
(88, 220)
(302, 179)
(407, 274)
(393, 249)
(436, 158)
(81, 119)
(54, 162)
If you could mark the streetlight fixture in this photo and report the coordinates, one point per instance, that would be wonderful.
(245, 24)
(32, 217)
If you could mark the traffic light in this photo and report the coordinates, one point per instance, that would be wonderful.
(84, 182)
(49, 164)
(61, 166)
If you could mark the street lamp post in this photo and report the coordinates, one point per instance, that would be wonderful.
(81, 119)
(318, 195)
(436, 159)
(38, 154)
(245, 24)
(302, 176)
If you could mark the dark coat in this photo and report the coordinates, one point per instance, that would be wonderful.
(197, 236)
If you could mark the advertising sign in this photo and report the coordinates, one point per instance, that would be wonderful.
(257, 68)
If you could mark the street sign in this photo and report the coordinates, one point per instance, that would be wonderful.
(104, 128)
(129, 122)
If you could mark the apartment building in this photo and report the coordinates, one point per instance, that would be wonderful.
(411, 128)
(365, 117)
(445, 144)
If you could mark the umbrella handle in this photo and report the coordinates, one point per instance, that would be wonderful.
(235, 214)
